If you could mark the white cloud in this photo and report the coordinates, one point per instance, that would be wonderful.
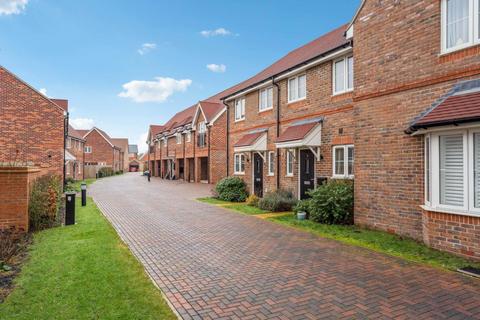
(146, 48)
(8, 7)
(218, 68)
(141, 142)
(82, 123)
(153, 91)
(42, 90)
(216, 32)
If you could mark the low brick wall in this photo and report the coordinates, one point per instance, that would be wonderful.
(14, 194)
(453, 233)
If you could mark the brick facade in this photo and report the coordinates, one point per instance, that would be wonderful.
(103, 151)
(394, 83)
(74, 169)
(31, 126)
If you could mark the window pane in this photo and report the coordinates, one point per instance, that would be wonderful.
(339, 161)
(339, 76)
(242, 163)
(292, 89)
(289, 163)
(243, 108)
(270, 98)
(302, 89)
(476, 170)
(271, 161)
(350, 73)
(351, 158)
(428, 174)
(457, 22)
(451, 170)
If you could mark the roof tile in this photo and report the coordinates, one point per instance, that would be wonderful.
(296, 132)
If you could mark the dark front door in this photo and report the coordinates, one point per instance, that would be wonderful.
(258, 175)
(307, 172)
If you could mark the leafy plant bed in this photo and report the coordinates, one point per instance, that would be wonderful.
(10, 268)
(241, 207)
(83, 271)
(379, 241)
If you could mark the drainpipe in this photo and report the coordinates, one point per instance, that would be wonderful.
(277, 130)
(228, 136)
(184, 159)
(65, 136)
(208, 162)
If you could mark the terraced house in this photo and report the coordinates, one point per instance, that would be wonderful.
(417, 112)
(74, 154)
(291, 125)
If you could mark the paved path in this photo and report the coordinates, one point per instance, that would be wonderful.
(215, 264)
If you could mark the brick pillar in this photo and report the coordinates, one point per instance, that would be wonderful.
(14, 194)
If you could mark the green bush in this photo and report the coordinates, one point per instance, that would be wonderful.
(252, 200)
(277, 201)
(231, 189)
(105, 172)
(302, 206)
(69, 180)
(332, 203)
(45, 202)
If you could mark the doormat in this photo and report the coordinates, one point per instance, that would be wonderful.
(471, 271)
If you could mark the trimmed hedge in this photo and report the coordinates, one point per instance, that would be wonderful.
(105, 172)
(231, 189)
(45, 202)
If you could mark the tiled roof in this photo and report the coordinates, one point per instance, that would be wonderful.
(132, 148)
(122, 143)
(322, 45)
(211, 109)
(460, 105)
(156, 129)
(296, 132)
(62, 103)
(82, 132)
(74, 133)
(249, 139)
(180, 119)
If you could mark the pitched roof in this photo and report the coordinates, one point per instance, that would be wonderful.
(211, 109)
(72, 132)
(322, 45)
(249, 139)
(82, 132)
(132, 148)
(296, 132)
(122, 143)
(62, 103)
(155, 129)
(180, 119)
(460, 105)
(105, 136)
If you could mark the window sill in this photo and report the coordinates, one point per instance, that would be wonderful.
(450, 211)
(239, 173)
(343, 177)
(289, 176)
(335, 94)
(270, 175)
(460, 48)
(240, 120)
(265, 110)
(294, 101)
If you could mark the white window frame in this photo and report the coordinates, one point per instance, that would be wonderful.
(473, 32)
(189, 136)
(297, 96)
(345, 75)
(468, 170)
(290, 160)
(271, 157)
(264, 105)
(240, 116)
(87, 149)
(345, 174)
(178, 136)
(238, 159)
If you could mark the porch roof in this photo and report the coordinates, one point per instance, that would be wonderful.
(253, 141)
(299, 134)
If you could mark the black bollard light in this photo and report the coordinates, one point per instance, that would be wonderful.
(83, 187)
(69, 208)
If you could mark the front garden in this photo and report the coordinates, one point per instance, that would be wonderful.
(329, 213)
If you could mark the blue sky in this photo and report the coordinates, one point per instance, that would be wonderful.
(91, 52)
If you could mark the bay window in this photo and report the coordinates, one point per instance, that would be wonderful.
(343, 161)
(239, 163)
(460, 27)
(297, 88)
(452, 164)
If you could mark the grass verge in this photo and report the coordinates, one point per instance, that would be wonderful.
(241, 207)
(379, 241)
(75, 186)
(83, 272)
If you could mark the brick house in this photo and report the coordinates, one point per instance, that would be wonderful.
(32, 127)
(417, 112)
(101, 151)
(74, 154)
(152, 154)
(122, 143)
(291, 125)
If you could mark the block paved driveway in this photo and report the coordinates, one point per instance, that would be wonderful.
(214, 264)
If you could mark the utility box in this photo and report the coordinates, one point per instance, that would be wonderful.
(69, 208)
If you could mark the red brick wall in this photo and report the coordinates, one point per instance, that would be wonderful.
(77, 150)
(102, 151)
(453, 233)
(394, 83)
(218, 152)
(31, 126)
(14, 195)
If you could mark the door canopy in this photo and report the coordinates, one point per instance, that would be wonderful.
(253, 141)
(307, 133)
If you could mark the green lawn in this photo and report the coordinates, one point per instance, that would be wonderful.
(83, 272)
(379, 241)
(76, 185)
(241, 207)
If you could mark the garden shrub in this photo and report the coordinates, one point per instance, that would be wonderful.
(332, 203)
(45, 202)
(302, 206)
(231, 189)
(277, 201)
(105, 172)
(69, 180)
(252, 200)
